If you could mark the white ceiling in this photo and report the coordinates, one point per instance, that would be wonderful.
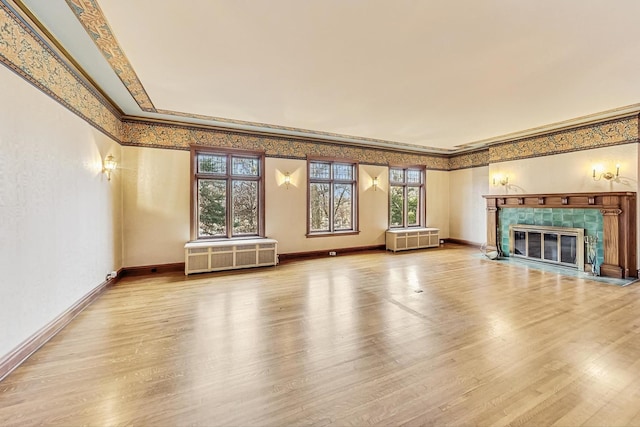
(431, 74)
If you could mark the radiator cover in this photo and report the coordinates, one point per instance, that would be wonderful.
(216, 255)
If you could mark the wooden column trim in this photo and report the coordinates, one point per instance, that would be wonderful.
(492, 224)
(610, 266)
(627, 240)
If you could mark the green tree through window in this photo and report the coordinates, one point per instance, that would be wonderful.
(406, 197)
(332, 196)
(227, 191)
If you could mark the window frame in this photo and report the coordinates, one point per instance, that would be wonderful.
(422, 211)
(229, 153)
(355, 213)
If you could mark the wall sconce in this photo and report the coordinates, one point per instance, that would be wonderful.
(606, 175)
(287, 179)
(375, 183)
(499, 180)
(109, 165)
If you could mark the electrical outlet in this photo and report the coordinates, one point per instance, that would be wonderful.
(332, 253)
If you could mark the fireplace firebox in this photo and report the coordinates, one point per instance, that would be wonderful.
(555, 245)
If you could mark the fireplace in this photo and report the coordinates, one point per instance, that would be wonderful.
(562, 246)
(615, 211)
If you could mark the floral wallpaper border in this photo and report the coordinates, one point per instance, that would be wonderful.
(28, 55)
(468, 160)
(602, 134)
(23, 50)
(160, 135)
(92, 19)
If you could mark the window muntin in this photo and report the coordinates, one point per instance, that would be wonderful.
(332, 197)
(406, 197)
(227, 194)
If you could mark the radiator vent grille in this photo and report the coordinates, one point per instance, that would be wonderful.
(266, 257)
(246, 258)
(220, 261)
(199, 262)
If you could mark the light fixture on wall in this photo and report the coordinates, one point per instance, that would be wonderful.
(375, 183)
(287, 179)
(606, 175)
(499, 180)
(109, 165)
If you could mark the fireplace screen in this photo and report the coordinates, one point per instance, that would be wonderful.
(557, 245)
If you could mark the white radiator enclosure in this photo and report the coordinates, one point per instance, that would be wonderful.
(216, 255)
(412, 238)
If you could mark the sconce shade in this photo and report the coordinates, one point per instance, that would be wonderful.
(287, 179)
(109, 165)
(375, 183)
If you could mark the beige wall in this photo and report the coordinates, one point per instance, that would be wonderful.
(569, 172)
(156, 206)
(286, 209)
(61, 219)
(467, 208)
(438, 189)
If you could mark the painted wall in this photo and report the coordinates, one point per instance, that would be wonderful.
(286, 209)
(438, 190)
(156, 206)
(60, 219)
(467, 208)
(569, 172)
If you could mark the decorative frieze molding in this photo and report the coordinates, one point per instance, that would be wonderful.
(25, 52)
(178, 136)
(92, 19)
(603, 134)
(468, 160)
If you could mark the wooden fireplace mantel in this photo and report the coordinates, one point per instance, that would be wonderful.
(619, 215)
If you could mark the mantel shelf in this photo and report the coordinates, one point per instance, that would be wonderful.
(565, 200)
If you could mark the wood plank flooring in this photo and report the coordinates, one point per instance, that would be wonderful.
(343, 341)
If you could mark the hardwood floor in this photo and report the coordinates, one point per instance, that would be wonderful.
(343, 341)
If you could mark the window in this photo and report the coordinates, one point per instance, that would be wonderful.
(406, 197)
(227, 193)
(332, 197)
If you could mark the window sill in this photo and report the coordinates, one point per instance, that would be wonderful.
(411, 227)
(334, 234)
(227, 239)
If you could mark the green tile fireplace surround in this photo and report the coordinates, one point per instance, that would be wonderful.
(591, 220)
(610, 217)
